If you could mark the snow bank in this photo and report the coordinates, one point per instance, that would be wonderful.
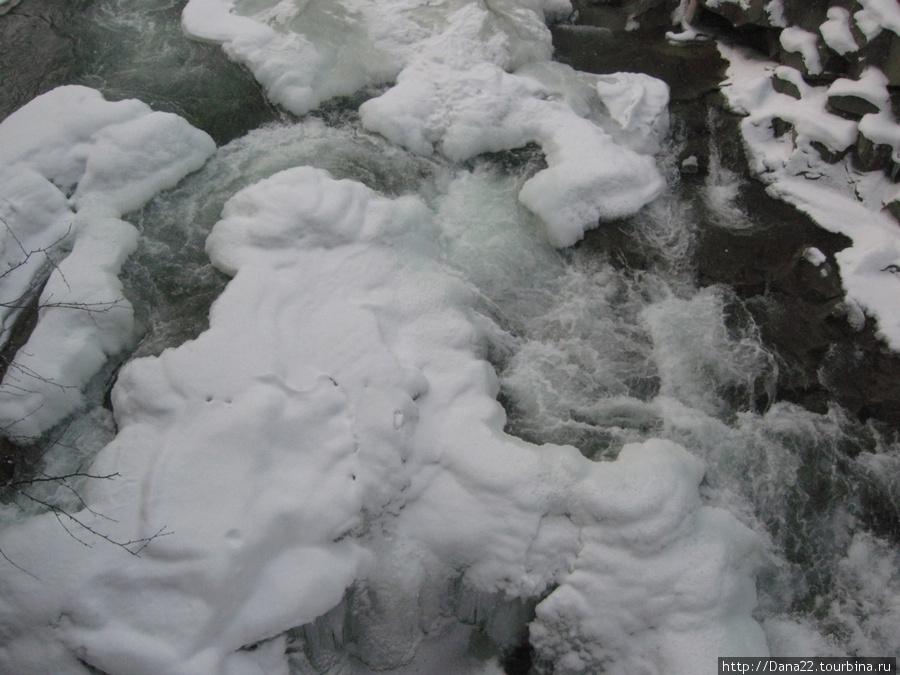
(108, 159)
(468, 78)
(335, 434)
(456, 97)
(796, 173)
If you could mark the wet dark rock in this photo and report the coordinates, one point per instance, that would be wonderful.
(784, 86)
(782, 127)
(883, 52)
(827, 154)
(869, 156)
(865, 376)
(851, 107)
(738, 15)
(799, 309)
(893, 208)
(769, 257)
(634, 16)
(798, 305)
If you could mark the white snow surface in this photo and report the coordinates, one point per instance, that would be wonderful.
(336, 427)
(775, 12)
(796, 40)
(885, 12)
(111, 158)
(794, 172)
(836, 31)
(871, 86)
(880, 128)
(468, 78)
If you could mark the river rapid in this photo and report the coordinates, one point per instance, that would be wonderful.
(653, 329)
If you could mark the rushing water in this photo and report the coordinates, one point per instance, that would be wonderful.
(590, 350)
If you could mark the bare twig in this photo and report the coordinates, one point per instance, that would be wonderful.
(15, 379)
(62, 515)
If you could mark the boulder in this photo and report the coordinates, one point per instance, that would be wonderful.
(785, 86)
(827, 154)
(850, 107)
(870, 156)
(782, 127)
(883, 51)
(892, 205)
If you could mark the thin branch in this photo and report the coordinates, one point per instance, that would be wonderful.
(45, 250)
(62, 513)
(61, 479)
(92, 307)
(18, 567)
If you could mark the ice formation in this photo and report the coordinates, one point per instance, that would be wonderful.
(72, 165)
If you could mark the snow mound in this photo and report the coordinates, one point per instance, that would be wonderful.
(796, 40)
(836, 31)
(334, 437)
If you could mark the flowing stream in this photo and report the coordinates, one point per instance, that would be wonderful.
(596, 346)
